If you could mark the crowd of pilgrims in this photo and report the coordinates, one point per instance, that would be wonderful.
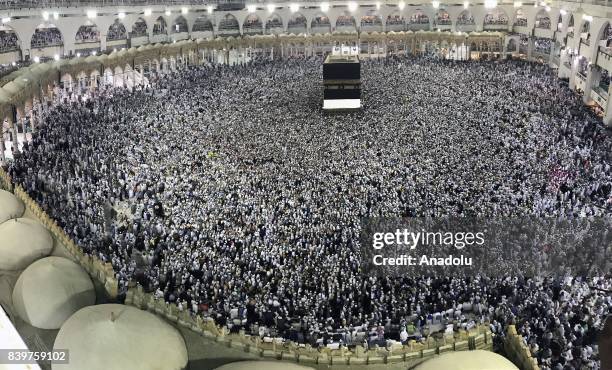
(8, 41)
(45, 37)
(227, 191)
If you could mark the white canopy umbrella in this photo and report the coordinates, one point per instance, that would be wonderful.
(263, 365)
(10, 206)
(468, 360)
(23, 241)
(118, 337)
(51, 290)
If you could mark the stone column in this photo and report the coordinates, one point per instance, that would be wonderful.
(592, 80)
(14, 130)
(573, 72)
(608, 112)
(21, 119)
(530, 46)
(2, 148)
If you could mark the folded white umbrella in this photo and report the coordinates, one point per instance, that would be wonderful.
(119, 337)
(262, 365)
(10, 206)
(23, 241)
(468, 360)
(51, 290)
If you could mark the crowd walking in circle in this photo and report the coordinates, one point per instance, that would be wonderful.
(226, 190)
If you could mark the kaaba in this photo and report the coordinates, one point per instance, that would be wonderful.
(342, 83)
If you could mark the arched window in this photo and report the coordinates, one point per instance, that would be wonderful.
(87, 33)
(139, 29)
(418, 21)
(252, 25)
(443, 18)
(512, 45)
(496, 17)
(228, 25)
(520, 19)
(465, 21)
(371, 21)
(116, 31)
(543, 20)
(320, 24)
(297, 24)
(180, 25)
(202, 24)
(8, 39)
(274, 24)
(46, 36)
(396, 22)
(160, 27)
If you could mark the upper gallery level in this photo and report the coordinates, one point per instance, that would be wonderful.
(51, 28)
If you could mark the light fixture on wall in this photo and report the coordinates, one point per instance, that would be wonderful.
(271, 8)
(563, 11)
(55, 15)
(401, 5)
(94, 53)
(378, 5)
(518, 4)
(45, 16)
(352, 6)
(588, 18)
(36, 59)
(78, 55)
(210, 9)
(294, 7)
(147, 12)
(466, 5)
(6, 20)
(184, 10)
(490, 4)
(435, 4)
(91, 14)
(121, 15)
(56, 57)
(547, 8)
(251, 8)
(324, 7)
(168, 12)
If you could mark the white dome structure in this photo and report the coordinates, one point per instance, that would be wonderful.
(118, 337)
(10, 206)
(23, 241)
(263, 365)
(51, 290)
(468, 360)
